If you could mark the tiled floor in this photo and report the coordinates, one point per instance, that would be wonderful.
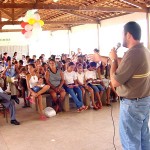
(89, 130)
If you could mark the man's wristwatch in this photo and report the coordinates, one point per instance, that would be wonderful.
(113, 60)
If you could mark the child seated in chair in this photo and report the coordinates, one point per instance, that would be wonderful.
(37, 87)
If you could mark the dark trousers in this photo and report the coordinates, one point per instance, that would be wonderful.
(5, 99)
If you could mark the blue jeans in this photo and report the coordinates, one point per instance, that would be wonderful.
(96, 88)
(134, 118)
(76, 98)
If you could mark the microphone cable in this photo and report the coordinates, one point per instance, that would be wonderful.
(113, 122)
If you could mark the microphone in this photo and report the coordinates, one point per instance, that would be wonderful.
(118, 46)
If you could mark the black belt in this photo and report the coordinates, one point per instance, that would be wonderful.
(131, 98)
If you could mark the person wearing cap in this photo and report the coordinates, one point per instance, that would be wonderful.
(72, 87)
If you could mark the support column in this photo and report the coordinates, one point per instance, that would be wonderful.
(98, 36)
(0, 19)
(69, 41)
(148, 29)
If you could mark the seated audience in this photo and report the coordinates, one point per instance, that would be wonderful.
(11, 73)
(91, 79)
(55, 79)
(72, 87)
(32, 79)
(8, 102)
(83, 85)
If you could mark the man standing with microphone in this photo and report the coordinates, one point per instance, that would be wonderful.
(132, 79)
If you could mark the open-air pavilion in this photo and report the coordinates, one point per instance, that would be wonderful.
(68, 25)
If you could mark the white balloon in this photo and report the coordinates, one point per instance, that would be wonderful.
(29, 15)
(28, 34)
(49, 112)
(36, 16)
(28, 27)
(36, 25)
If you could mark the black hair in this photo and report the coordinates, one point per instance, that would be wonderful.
(93, 64)
(21, 62)
(71, 64)
(31, 61)
(96, 50)
(44, 64)
(15, 53)
(134, 29)
(79, 65)
(33, 65)
(80, 56)
(8, 58)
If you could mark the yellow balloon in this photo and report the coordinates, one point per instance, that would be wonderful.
(41, 22)
(31, 21)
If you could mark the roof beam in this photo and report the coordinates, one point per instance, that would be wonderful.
(49, 22)
(10, 30)
(66, 7)
(19, 30)
(7, 13)
(19, 13)
(0, 19)
(133, 3)
(81, 15)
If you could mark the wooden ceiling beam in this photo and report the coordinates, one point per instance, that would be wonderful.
(6, 12)
(49, 22)
(133, 3)
(66, 7)
(13, 12)
(0, 19)
(97, 2)
(19, 13)
(10, 30)
(81, 15)
(19, 30)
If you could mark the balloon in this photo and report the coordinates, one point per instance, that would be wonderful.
(28, 27)
(23, 31)
(36, 32)
(36, 25)
(49, 112)
(23, 24)
(31, 21)
(36, 16)
(41, 22)
(28, 34)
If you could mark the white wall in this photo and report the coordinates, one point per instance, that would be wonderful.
(111, 31)
(15, 38)
(83, 36)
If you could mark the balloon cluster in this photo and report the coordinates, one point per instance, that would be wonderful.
(32, 25)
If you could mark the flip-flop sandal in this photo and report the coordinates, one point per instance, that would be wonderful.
(80, 110)
(43, 118)
(95, 108)
(86, 107)
(27, 98)
(108, 105)
(25, 106)
(30, 100)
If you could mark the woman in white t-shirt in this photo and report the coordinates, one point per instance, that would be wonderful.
(91, 79)
(72, 87)
(82, 84)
